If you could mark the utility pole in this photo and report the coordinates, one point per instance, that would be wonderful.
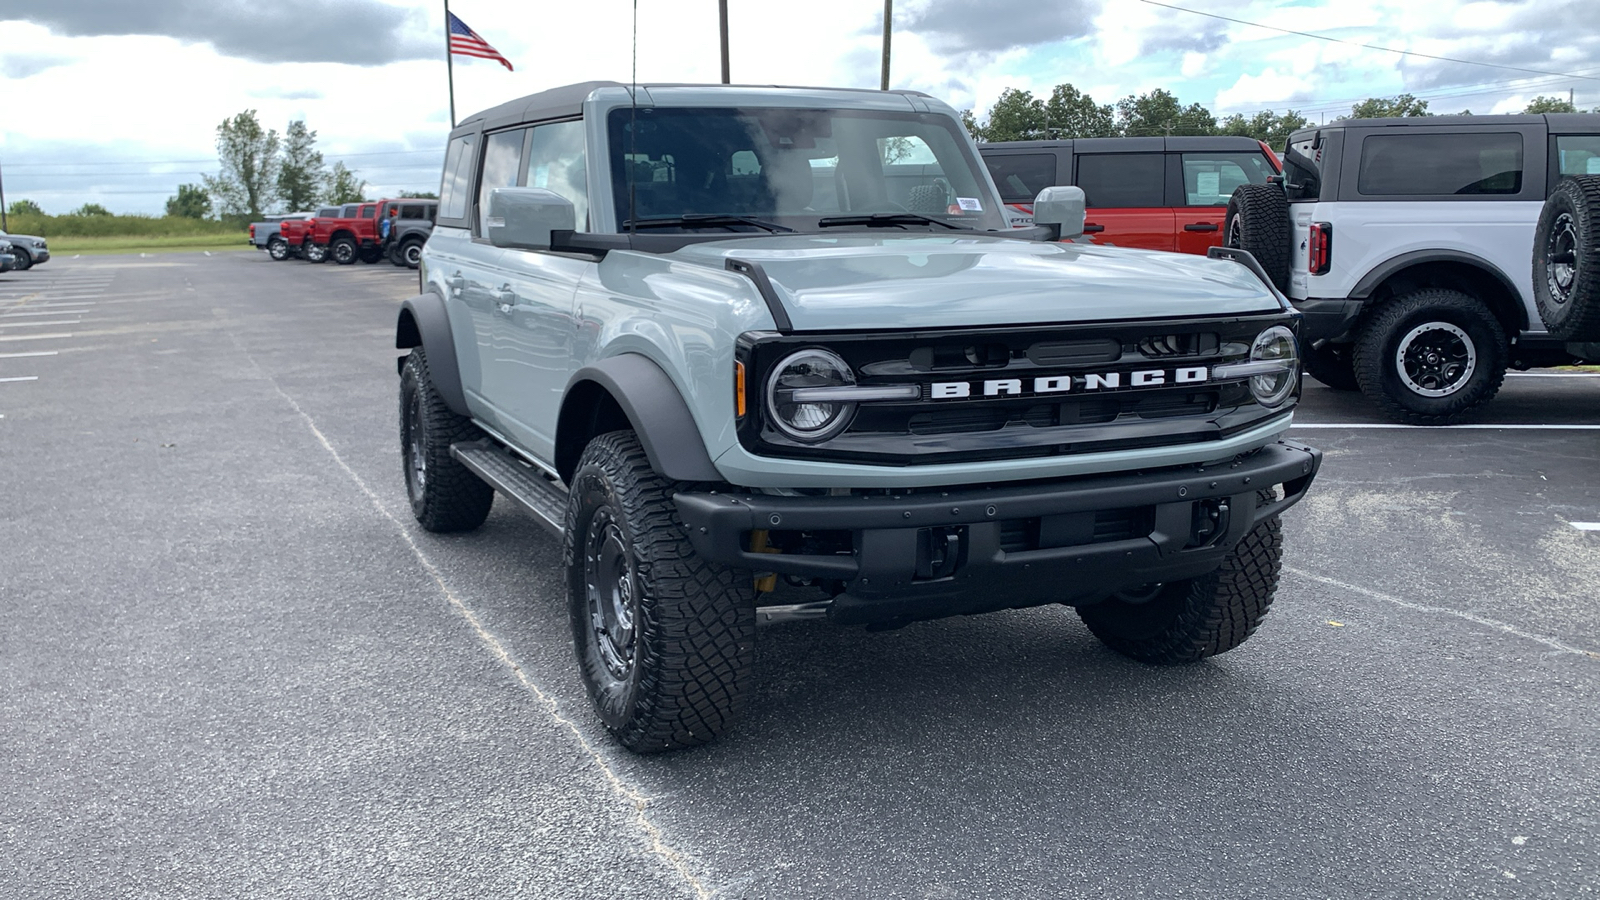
(888, 24)
(3, 225)
(722, 10)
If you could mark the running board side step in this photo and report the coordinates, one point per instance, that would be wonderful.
(542, 496)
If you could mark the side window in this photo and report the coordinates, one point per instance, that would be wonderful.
(1021, 177)
(556, 163)
(1126, 180)
(1209, 178)
(502, 161)
(457, 179)
(368, 212)
(1578, 154)
(1440, 164)
(410, 212)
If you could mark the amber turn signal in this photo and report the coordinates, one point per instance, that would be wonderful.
(738, 389)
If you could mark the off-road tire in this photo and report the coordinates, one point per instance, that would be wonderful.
(342, 251)
(1566, 260)
(1187, 621)
(314, 253)
(1331, 364)
(1258, 222)
(23, 259)
(369, 255)
(277, 248)
(447, 497)
(1454, 318)
(393, 253)
(411, 252)
(679, 676)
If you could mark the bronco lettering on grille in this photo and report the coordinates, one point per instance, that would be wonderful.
(1061, 384)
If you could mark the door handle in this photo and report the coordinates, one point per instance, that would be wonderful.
(456, 282)
(1089, 228)
(504, 299)
(1200, 226)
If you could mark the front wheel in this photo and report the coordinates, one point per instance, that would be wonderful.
(278, 249)
(315, 252)
(1332, 365)
(24, 261)
(1431, 357)
(1187, 621)
(665, 640)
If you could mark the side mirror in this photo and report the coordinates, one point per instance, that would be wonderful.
(1062, 208)
(522, 218)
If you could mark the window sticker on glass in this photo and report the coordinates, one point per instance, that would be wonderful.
(1592, 165)
(969, 204)
(1208, 184)
(541, 175)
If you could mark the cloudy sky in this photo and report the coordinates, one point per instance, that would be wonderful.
(117, 102)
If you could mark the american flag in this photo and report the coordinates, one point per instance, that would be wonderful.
(465, 41)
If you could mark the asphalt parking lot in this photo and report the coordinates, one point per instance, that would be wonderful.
(231, 666)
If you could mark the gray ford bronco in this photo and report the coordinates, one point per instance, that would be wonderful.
(717, 337)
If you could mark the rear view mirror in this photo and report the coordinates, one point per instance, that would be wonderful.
(1062, 208)
(522, 218)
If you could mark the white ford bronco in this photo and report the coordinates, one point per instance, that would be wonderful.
(717, 336)
(1409, 245)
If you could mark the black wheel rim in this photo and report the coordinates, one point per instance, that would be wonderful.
(609, 590)
(1235, 236)
(1436, 359)
(416, 460)
(1561, 256)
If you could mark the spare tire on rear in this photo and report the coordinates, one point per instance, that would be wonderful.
(1258, 222)
(1566, 260)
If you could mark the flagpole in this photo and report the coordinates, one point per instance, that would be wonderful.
(449, 65)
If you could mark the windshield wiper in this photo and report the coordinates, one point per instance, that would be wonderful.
(695, 220)
(887, 219)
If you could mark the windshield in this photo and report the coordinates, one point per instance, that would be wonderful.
(794, 167)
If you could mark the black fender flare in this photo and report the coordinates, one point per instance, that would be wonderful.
(424, 323)
(654, 408)
(1381, 273)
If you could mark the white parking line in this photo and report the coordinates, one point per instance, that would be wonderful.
(1585, 526)
(21, 378)
(35, 337)
(30, 353)
(1553, 374)
(44, 312)
(1378, 425)
(39, 324)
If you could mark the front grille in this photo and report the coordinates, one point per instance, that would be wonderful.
(1019, 392)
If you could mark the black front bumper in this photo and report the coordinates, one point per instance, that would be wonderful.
(973, 549)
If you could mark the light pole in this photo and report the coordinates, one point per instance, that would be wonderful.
(888, 23)
(722, 12)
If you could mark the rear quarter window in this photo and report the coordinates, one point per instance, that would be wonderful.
(1440, 164)
(457, 180)
(1578, 154)
(1210, 178)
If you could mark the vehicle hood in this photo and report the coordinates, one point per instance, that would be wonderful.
(856, 281)
(13, 237)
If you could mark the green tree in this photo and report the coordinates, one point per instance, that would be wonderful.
(247, 182)
(1070, 113)
(418, 195)
(301, 174)
(91, 209)
(1389, 108)
(1016, 116)
(1550, 105)
(1266, 126)
(25, 208)
(190, 202)
(1159, 113)
(343, 186)
(970, 123)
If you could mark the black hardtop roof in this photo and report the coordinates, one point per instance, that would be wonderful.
(567, 102)
(1131, 144)
(1557, 122)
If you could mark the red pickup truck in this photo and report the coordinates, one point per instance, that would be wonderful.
(297, 230)
(346, 237)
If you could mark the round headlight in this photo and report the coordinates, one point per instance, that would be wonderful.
(1276, 344)
(812, 420)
